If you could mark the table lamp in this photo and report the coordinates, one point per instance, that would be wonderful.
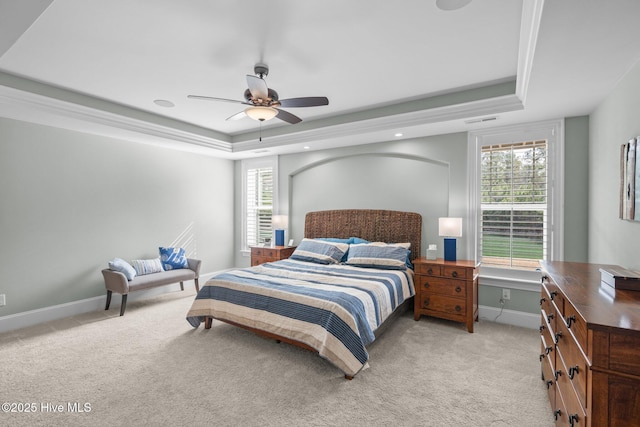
(450, 228)
(279, 223)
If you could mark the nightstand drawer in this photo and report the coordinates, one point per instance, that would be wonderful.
(429, 285)
(457, 272)
(264, 252)
(428, 269)
(443, 304)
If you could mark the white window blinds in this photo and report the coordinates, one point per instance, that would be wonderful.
(259, 204)
(514, 204)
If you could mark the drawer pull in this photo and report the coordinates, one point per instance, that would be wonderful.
(458, 289)
(549, 384)
(558, 336)
(548, 350)
(543, 278)
(557, 414)
(542, 300)
(553, 294)
(458, 308)
(542, 356)
(556, 374)
(573, 370)
(454, 274)
(426, 302)
(426, 285)
(572, 418)
(430, 270)
(570, 320)
(549, 317)
(542, 328)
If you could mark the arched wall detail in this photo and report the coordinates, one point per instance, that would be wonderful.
(395, 181)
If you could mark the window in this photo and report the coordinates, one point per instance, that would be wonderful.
(515, 208)
(513, 191)
(259, 183)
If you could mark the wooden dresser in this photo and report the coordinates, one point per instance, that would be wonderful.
(590, 341)
(446, 289)
(260, 255)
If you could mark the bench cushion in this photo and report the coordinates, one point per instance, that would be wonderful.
(161, 278)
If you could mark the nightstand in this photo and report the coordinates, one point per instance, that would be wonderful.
(446, 289)
(260, 254)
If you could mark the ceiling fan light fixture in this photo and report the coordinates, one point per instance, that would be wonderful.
(261, 113)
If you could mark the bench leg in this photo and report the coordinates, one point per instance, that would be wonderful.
(124, 304)
(197, 284)
(106, 307)
(182, 286)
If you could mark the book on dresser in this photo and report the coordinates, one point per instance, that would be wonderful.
(590, 346)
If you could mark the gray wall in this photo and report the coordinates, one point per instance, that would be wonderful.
(576, 195)
(613, 123)
(70, 202)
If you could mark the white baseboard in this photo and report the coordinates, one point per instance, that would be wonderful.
(46, 314)
(509, 317)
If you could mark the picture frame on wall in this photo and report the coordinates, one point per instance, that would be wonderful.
(629, 177)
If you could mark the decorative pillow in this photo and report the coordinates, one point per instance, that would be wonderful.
(118, 264)
(319, 251)
(173, 258)
(379, 255)
(147, 266)
(338, 240)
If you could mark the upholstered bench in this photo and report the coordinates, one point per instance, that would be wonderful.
(115, 281)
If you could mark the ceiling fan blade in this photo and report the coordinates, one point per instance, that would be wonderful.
(211, 98)
(288, 117)
(309, 101)
(257, 87)
(237, 116)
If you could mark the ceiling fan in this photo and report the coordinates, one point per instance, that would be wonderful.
(264, 103)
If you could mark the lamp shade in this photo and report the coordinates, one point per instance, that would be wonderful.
(279, 222)
(450, 227)
(261, 113)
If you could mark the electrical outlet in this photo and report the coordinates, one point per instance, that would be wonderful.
(3, 300)
(506, 294)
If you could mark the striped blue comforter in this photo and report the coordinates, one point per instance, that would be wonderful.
(334, 309)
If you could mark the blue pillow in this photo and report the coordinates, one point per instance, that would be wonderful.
(379, 255)
(118, 264)
(173, 258)
(319, 251)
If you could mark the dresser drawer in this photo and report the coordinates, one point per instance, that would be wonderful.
(574, 413)
(443, 304)
(438, 285)
(547, 373)
(546, 335)
(576, 324)
(574, 364)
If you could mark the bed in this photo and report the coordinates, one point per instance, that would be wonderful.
(324, 298)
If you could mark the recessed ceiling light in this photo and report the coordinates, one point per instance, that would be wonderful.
(164, 103)
(452, 4)
(398, 135)
(306, 147)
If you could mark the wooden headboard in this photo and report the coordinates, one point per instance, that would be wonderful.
(368, 224)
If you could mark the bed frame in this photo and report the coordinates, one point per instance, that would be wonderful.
(372, 225)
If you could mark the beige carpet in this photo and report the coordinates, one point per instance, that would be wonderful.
(152, 368)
